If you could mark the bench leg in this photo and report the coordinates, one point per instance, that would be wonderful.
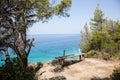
(80, 58)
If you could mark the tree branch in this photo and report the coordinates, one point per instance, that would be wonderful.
(29, 46)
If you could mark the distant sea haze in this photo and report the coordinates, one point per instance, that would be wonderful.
(48, 46)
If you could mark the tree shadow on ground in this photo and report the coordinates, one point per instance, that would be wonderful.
(58, 67)
(39, 65)
(66, 62)
(35, 68)
(97, 78)
(58, 78)
(57, 70)
(70, 62)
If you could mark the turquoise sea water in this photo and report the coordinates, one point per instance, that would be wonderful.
(48, 46)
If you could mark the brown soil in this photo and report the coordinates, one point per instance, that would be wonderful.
(88, 69)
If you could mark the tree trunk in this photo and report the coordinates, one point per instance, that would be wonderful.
(7, 55)
(23, 51)
(24, 60)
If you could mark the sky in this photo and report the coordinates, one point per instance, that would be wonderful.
(80, 12)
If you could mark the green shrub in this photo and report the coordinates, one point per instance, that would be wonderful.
(97, 54)
(116, 74)
(117, 56)
(91, 54)
(106, 56)
(13, 71)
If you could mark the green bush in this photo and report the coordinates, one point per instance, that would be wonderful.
(106, 56)
(91, 54)
(98, 54)
(117, 56)
(116, 74)
(13, 71)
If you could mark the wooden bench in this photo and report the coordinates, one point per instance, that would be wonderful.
(61, 59)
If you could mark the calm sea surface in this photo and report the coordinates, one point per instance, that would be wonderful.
(48, 46)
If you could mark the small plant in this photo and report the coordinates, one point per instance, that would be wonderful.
(116, 74)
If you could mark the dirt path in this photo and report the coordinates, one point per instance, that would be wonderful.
(88, 69)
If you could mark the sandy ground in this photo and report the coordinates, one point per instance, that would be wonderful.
(88, 69)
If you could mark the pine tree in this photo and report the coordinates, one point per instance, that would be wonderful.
(98, 20)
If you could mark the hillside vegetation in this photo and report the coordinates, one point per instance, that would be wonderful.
(102, 38)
